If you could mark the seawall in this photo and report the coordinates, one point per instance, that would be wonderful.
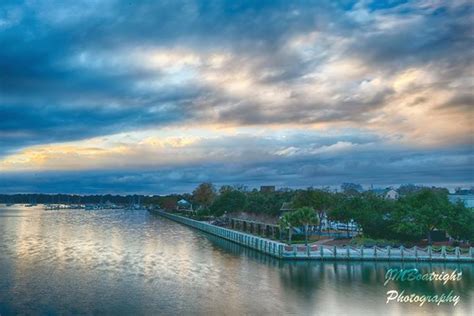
(266, 246)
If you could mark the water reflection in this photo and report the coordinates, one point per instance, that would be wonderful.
(107, 261)
(358, 287)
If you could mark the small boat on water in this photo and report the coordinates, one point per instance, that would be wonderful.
(51, 207)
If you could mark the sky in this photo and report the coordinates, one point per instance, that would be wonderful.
(156, 97)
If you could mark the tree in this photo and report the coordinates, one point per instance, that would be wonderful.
(346, 208)
(429, 209)
(303, 198)
(228, 201)
(256, 202)
(461, 222)
(169, 202)
(287, 222)
(351, 188)
(320, 200)
(405, 225)
(268, 203)
(306, 216)
(204, 194)
(406, 189)
(225, 188)
(374, 215)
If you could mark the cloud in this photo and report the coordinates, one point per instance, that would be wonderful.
(154, 149)
(154, 161)
(410, 166)
(75, 73)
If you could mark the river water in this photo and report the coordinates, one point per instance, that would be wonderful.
(132, 262)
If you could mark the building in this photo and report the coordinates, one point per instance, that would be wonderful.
(461, 191)
(183, 205)
(267, 188)
(392, 195)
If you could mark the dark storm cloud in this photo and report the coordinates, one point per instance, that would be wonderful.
(72, 71)
(38, 39)
(427, 35)
(25, 124)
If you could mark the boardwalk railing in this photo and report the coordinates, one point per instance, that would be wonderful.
(429, 253)
(322, 252)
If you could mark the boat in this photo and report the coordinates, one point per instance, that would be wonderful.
(50, 207)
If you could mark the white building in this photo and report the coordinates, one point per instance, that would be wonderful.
(184, 205)
(392, 195)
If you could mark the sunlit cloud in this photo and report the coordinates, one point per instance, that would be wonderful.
(195, 85)
(155, 149)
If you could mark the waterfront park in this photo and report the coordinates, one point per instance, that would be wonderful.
(420, 224)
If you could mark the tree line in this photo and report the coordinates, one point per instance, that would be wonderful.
(412, 217)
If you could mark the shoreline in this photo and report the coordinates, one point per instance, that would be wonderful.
(320, 252)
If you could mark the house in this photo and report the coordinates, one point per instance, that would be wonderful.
(183, 205)
(392, 195)
(461, 191)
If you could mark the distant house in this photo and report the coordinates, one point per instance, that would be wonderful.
(461, 191)
(183, 205)
(392, 195)
(267, 188)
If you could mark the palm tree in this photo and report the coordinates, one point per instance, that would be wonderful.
(287, 222)
(306, 216)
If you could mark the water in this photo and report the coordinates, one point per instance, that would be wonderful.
(133, 262)
(467, 199)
